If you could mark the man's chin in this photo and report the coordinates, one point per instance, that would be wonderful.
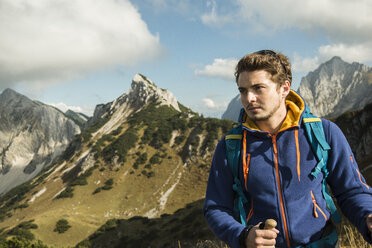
(257, 117)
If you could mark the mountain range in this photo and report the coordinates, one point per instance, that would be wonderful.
(143, 154)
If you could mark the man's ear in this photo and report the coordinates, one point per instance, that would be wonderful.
(286, 88)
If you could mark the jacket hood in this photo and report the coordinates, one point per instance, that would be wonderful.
(295, 107)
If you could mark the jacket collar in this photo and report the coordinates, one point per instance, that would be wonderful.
(295, 107)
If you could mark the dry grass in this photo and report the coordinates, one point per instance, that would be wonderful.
(349, 237)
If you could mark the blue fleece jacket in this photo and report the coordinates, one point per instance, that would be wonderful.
(278, 183)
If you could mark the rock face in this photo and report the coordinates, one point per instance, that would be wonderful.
(356, 126)
(79, 118)
(336, 87)
(233, 109)
(32, 135)
(142, 91)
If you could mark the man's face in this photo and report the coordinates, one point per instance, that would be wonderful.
(262, 98)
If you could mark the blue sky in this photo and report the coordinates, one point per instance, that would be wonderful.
(77, 54)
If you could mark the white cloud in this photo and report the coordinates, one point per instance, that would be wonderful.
(211, 104)
(223, 68)
(350, 53)
(47, 41)
(88, 110)
(300, 64)
(346, 24)
(340, 20)
(213, 18)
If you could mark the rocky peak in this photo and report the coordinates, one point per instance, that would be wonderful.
(337, 86)
(12, 99)
(142, 91)
(233, 109)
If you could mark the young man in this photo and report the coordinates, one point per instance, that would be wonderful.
(275, 168)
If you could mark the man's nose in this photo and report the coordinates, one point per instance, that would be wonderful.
(251, 97)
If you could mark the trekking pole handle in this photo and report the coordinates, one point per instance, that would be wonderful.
(269, 224)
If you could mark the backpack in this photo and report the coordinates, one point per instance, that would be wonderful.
(315, 134)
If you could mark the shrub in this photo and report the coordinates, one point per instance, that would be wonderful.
(108, 184)
(155, 159)
(179, 139)
(62, 226)
(148, 174)
(120, 146)
(97, 190)
(22, 230)
(67, 193)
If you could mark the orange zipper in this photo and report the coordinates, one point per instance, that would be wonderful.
(245, 162)
(317, 207)
(250, 211)
(298, 155)
(280, 190)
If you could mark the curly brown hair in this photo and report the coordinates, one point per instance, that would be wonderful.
(275, 63)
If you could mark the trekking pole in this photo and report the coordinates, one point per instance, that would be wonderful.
(269, 224)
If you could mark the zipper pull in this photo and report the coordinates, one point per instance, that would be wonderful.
(314, 202)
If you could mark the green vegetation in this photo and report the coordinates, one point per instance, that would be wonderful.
(17, 242)
(61, 226)
(67, 193)
(79, 180)
(86, 134)
(97, 190)
(107, 186)
(11, 199)
(22, 230)
(156, 158)
(120, 146)
(142, 159)
(82, 179)
(158, 131)
(148, 174)
(74, 146)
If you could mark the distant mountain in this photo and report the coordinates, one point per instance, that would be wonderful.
(336, 87)
(79, 118)
(32, 136)
(143, 154)
(233, 109)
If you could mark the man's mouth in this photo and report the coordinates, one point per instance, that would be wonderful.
(253, 108)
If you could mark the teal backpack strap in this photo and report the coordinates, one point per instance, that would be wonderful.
(233, 146)
(316, 136)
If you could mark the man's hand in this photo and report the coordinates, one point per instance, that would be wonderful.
(261, 238)
(369, 223)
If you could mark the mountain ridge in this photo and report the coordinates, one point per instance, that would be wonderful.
(32, 135)
(337, 86)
